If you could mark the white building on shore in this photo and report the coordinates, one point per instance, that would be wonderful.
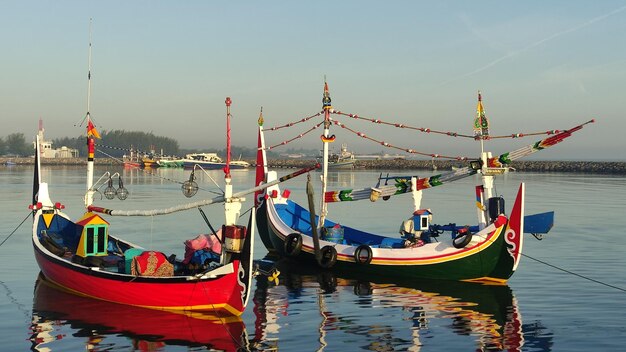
(46, 147)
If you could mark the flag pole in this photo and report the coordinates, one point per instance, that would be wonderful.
(481, 132)
(91, 145)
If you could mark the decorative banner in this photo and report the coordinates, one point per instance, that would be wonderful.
(481, 124)
(326, 99)
(506, 158)
(401, 185)
(479, 197)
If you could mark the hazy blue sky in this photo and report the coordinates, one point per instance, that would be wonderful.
(167, 66)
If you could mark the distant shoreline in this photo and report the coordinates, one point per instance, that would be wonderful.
(598, 167)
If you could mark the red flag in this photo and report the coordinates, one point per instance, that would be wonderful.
(91, 130)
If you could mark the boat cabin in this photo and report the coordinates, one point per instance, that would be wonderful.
(94, 236)
(422, 217)
(417, 226)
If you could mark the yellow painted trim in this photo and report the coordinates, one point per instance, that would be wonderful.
(47, 218)
(487, 281)
(486, 243)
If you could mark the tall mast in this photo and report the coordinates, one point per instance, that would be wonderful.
(227, 168)
(91, 146)
(261, 157)
(232, 207)
(481, 132)
(326, 138)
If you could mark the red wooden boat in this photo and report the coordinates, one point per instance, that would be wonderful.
(84, 258)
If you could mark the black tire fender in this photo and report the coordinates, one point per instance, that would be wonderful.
(328, 257)
(363, 254)
(462, 239)
(293, 244)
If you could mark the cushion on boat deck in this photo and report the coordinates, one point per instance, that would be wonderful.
(208, 242)
(151, 263)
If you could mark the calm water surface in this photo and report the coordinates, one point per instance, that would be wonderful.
(541, 309)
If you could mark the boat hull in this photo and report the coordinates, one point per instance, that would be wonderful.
(341, 165)
(488, 260)
(215, 296)
(211, 165)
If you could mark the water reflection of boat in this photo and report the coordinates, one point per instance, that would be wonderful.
(489, 314)
(100, 322)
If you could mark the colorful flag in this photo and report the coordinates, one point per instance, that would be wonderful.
(326, 102)
(481, 124)
(91, 130)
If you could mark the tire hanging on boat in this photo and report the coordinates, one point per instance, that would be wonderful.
(293, 244)
(328, 257)
(363, 254)
(463, 237)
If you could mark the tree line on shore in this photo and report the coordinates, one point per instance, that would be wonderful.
(115, 143)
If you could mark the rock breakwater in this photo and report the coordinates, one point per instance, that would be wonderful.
(597, 167)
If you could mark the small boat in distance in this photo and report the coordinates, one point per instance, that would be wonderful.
(344, 160)
(170, 162)
(211, 161)
(132, 161)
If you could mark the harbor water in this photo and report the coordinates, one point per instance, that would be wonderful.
(568, 293)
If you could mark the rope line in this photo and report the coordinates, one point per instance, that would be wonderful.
(388, 145)
(293, 123)
(447, 133)
(18, 226)
(138, 151)
(296, 137)
(575, 274)
(149, 173)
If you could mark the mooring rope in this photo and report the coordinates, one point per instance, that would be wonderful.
(575, 274)
(564, 270)
(18, 226)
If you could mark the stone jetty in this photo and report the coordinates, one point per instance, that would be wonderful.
(597, 167)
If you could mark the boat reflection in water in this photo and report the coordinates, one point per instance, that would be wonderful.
(308, 310)
(58, 314)
(352, 313)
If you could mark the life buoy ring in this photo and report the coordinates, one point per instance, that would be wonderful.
(463, 237)
(328, 257)
(363, 254)
(293, 244)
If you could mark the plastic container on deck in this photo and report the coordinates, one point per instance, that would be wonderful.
(233, 237)
(334, 234)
